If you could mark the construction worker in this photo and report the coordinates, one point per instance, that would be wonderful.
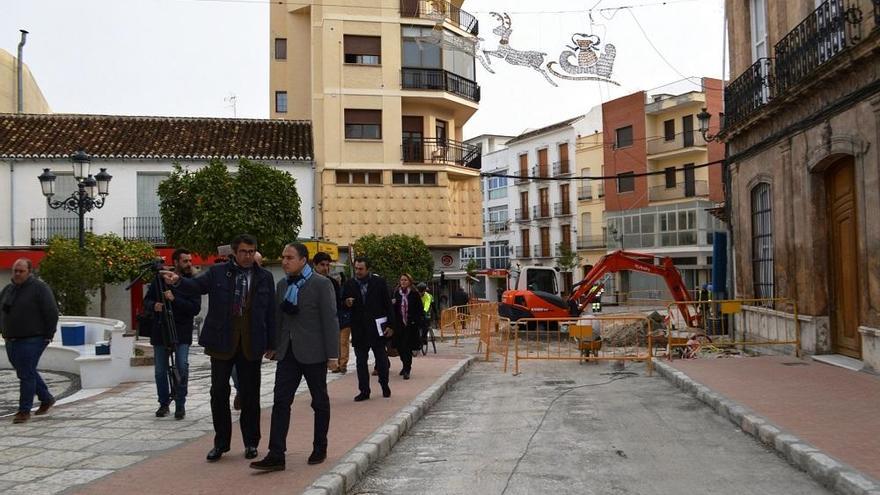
(427, 302)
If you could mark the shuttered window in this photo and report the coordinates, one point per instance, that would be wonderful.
(364, 50)
(363, 124)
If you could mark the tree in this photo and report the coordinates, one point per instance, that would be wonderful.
(395, 254)
(73, 274)
(208, 208)
(120, 259)
(568, 260)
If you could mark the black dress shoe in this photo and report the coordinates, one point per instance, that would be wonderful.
(216, 453)
(402, 372)
(317, 456)
(361, 397)
(269, 463)
(179, 413)
(406, 376)
(250, 452)
(162, 411)
(386, 391)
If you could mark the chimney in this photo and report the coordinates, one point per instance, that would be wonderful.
(20, 72)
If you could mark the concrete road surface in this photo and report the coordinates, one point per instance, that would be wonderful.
(586, 429)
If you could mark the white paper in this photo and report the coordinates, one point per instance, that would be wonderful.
(379, 322)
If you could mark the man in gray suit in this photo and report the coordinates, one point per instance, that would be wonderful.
(306, 342)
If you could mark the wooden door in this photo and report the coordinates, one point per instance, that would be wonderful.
(413, 149)
(524, 204)
(544, 195)
(844, 296)
(542, 163)
(563, 158)
(545, 242)
(524, 165)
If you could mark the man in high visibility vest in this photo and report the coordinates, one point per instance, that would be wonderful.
(427, 303)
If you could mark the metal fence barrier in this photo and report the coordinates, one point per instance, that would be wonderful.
(494, 337)
(464, 321)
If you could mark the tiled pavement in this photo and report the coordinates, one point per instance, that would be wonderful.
(62, 384)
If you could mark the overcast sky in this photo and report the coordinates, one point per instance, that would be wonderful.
(187, 57)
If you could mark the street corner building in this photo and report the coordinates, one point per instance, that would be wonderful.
(388, 91)
(802, 127)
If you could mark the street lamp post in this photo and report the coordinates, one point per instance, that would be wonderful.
(90, 194)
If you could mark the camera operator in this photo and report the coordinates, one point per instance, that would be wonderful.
(184, 307)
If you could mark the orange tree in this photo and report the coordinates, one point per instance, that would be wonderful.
(395, 254)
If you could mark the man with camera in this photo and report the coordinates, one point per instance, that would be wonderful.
(184, 308)
(28, 317)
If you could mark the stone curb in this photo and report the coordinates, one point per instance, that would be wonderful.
(837, 476)
(342, 477)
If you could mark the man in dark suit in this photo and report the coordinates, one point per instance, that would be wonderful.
(238, 330)
(307, 341)
(372, 319)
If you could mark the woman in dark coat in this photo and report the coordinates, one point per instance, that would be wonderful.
(408, 321)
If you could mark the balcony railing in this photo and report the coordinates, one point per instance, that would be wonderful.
(585, 192)
(439, 10)
(823, 35)
(147, 229)
(541, 170)
(440, 80)
(749, 92)
(522, 252)
(561, 248)
(523, 177)
(496, 227)
(541, 211)
(542, 251)
(591, 242)
(561, 169)
(562, 209)
(681, 190)
(433, 150)
(521, 215)
(681, 142)
(44, 229)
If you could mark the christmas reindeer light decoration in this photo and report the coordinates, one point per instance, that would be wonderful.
(532, 59)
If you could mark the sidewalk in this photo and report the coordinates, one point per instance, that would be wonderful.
(112, 443)
(822, 418)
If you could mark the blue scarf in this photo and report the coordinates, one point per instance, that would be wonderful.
(241, 289)
(290, 305)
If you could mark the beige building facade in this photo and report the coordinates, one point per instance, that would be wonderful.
(388, 86)
(802, 126)
(592, 237)
(34, 102)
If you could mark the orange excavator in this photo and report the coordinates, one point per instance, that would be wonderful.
(532, 299)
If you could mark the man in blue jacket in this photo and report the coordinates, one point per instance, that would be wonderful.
(184, 308)
(238, 330)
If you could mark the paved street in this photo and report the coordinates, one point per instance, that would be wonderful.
(568, 428)
(61, 384)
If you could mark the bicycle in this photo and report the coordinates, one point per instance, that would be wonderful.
(428, 338)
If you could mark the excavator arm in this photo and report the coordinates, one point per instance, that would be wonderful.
(584, 291)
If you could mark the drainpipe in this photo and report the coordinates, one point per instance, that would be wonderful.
(21, 70)
(11, 204)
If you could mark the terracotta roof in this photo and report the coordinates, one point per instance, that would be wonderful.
(544, 130)
(134, 137)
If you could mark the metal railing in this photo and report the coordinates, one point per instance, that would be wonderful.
(749, 92)
(541, 170)
(541, 211)
(439, 10)
(561, 168)
(542, 251)
(585, 192)
(496, 227)
(523, 177)
(44, 229)
(143, 229)
(560, 249)
(681, 190)
(682, 142)
(522, 252)
(820, 37)
(433, 150)
(440, 80)
(521, 215)
(562, 209)
(591, 242)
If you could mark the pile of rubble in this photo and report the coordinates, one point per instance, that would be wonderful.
(632, 333)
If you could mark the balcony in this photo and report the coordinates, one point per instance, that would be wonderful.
(585, 193)
(561, 169)
(44, 229)
(542, 251)
(522, 252)
(541, 170)
(523, 177)
(521, 214)
(443, 151)
(541, 212)
(563, 248)
(681, 190)
(683, 143)
(439, 80)
(749, 92)
(147, 229)
(440, 11)
(591, 242)
(562, 209)
(496, 227)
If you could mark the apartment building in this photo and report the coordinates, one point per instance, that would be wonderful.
(388, 86)
(667, 213)
(802, 126)
(592, 238)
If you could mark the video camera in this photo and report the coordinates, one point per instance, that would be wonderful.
(154, 265)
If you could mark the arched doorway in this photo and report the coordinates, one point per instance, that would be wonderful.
(844, 257)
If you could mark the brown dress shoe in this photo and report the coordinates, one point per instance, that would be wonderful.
(44, 407)
(21, 417)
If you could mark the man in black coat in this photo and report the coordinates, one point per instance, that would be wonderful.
(184, 308)
(372, 320)
(238, 330)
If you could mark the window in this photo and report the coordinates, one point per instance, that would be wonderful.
(626, 182)
(499, 257)
(414, 178)
(669, 173)
(358, 177)
(281, 101)
(669, 130)
(624, 137)
(280, 48)
(497, 219)
(524, 240)
(524, 166)
(416, 52)
(758, 18)
(363, 124)
(497, 186)
(363, 50)
(762, 241)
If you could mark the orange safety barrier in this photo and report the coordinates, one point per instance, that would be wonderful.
(494, 337)
(464, 321)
